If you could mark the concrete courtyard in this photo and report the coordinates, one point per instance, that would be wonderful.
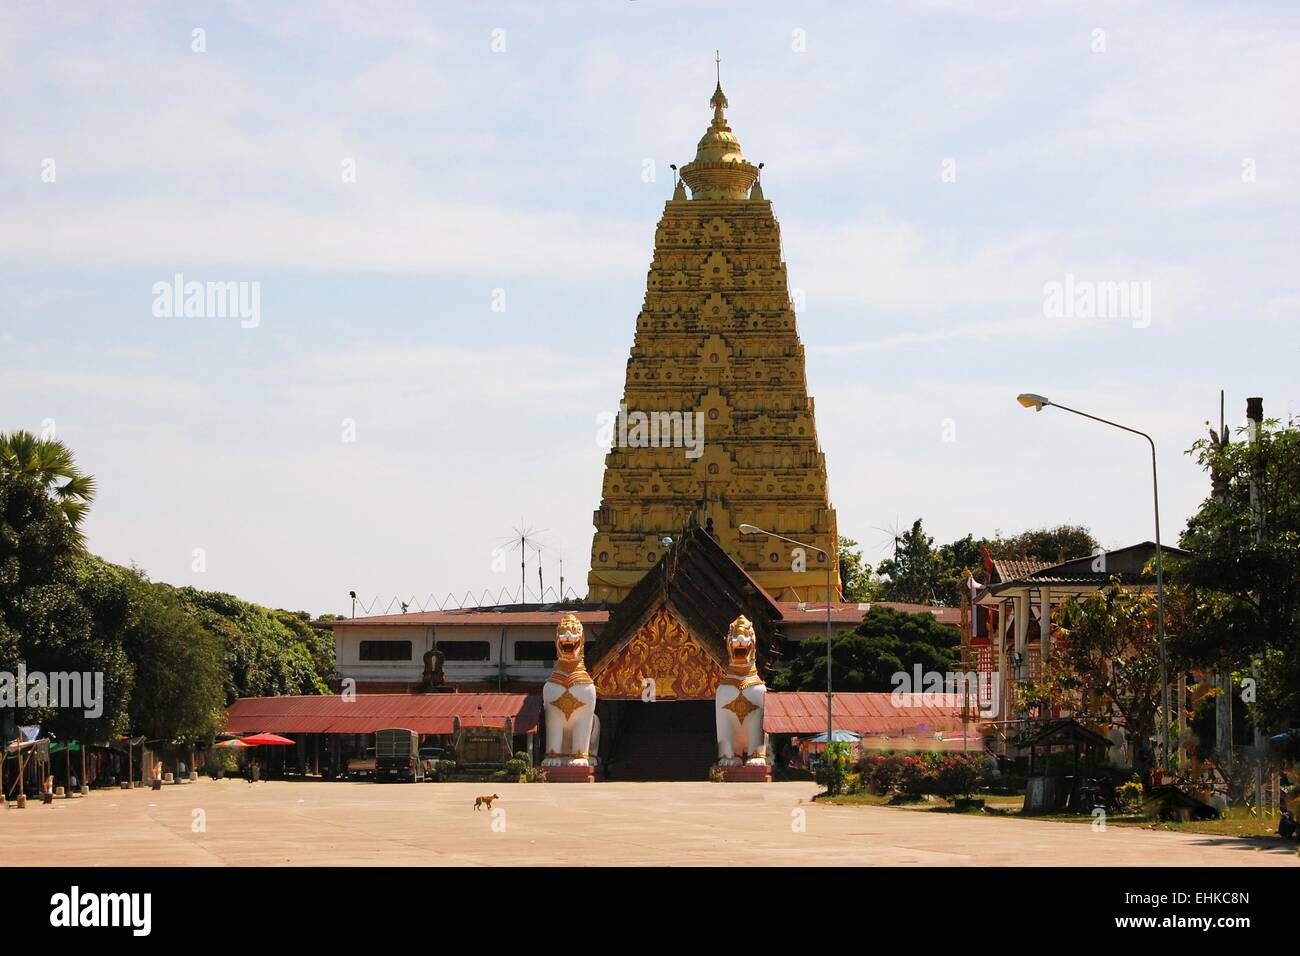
(312, 823)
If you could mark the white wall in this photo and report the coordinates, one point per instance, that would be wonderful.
(348, 638)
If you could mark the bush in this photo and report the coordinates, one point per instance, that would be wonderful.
(947, 775)
(222, 758)
(833, 768)
(516, 767)
(878, 773)
(1129, 796)
(956, 776)
(914, 777)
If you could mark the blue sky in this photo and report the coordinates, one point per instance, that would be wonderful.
(521, 169)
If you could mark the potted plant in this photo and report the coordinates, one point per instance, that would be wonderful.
(221, 760)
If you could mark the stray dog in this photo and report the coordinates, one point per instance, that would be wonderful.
(485, 801)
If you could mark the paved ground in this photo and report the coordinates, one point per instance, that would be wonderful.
(314, 823)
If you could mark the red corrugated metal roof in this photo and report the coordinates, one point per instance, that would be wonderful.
(790, 611)
(944, 615)
(813, 612)
(853, 613)
(423, 713)
(804, 712)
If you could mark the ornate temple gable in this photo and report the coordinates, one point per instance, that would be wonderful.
(664, 651)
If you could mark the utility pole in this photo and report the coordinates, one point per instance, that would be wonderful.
(1255, 418)
(1222, 702)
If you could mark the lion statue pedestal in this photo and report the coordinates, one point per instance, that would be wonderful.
(738, 710)
(569, 709)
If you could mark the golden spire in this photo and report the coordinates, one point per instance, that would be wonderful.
(719, 170)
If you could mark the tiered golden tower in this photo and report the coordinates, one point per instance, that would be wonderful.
(716, 344)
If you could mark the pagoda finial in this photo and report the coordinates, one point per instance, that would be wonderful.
(719, 170)
(719, 99)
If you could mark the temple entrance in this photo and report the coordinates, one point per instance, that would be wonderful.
(663, 740)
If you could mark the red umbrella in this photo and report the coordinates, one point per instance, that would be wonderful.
(274, 740)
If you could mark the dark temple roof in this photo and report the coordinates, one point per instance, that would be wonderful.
(708, 590)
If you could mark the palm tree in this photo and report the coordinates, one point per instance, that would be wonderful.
(51, 464)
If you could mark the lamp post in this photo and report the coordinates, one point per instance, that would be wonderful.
(1038, 403)
(830, 721)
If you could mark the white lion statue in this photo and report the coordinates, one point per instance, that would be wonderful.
(738, 706)
(569, 699)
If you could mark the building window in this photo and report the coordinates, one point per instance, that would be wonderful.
(465, 650)
(385, 650)
(535, 651)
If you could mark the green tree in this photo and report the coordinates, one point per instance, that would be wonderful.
(857, 583)
(912, 575)
(920, 573)
(1240, 587)
(1105, 664)
(179, 691)
(49, 463)
(953, 561)
(267, 653)
(887, 642)
(60, 610)
(1048, 545)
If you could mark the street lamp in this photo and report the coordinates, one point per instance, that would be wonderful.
(1038, 403)
(751, 529)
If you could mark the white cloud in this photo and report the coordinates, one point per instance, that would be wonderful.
(424, 236)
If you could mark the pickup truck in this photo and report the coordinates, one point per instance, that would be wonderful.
(362, 766)
(397, 755)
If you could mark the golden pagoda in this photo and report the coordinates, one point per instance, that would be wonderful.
(716, 350)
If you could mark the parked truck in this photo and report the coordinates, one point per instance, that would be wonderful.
(361, 765)
(397, 755)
